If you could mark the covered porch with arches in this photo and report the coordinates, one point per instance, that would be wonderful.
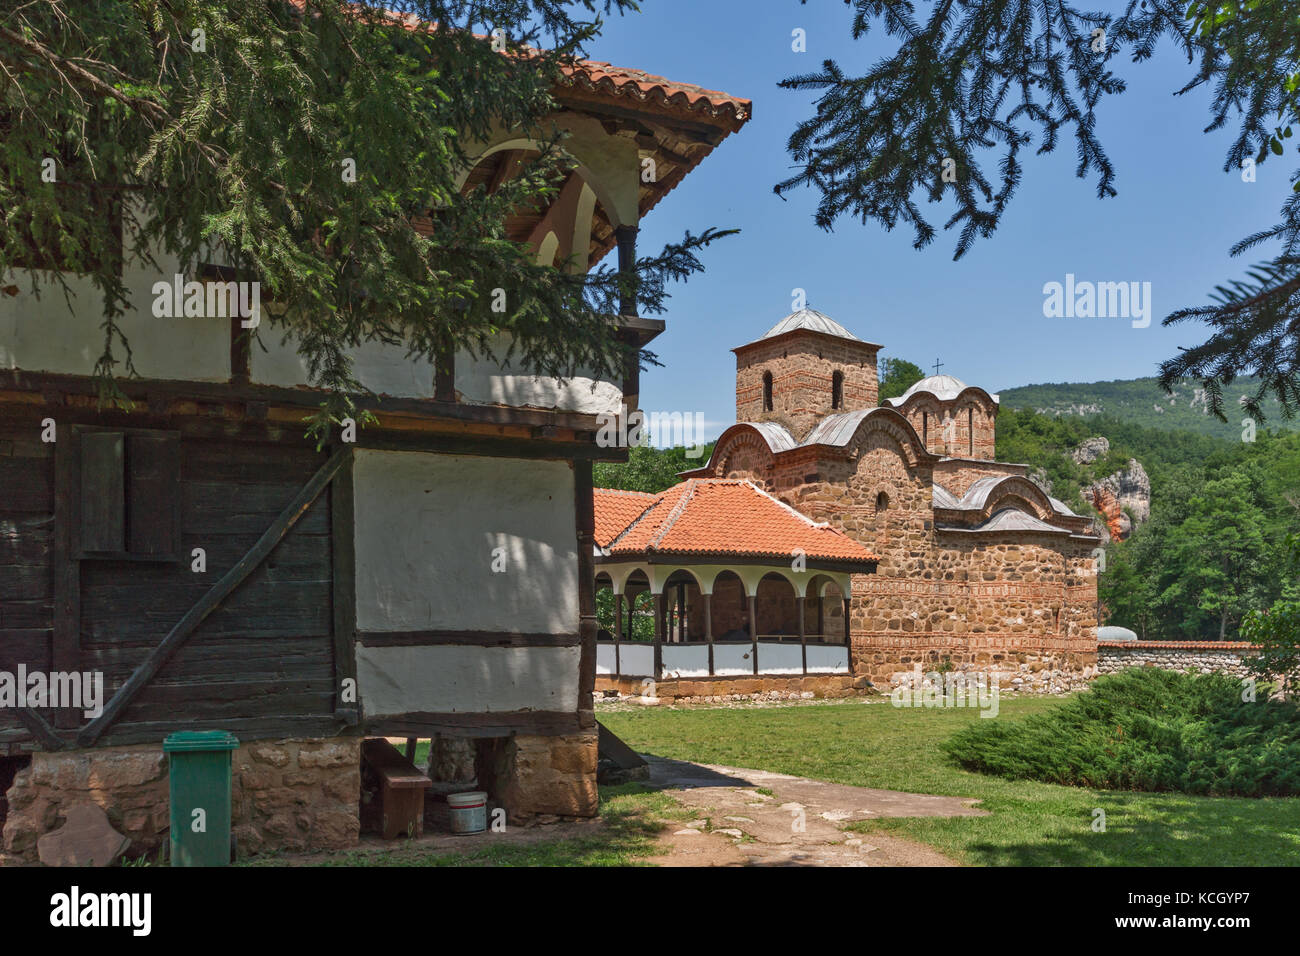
(683, 621)
(716, 578)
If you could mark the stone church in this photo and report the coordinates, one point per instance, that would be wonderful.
(977, 566)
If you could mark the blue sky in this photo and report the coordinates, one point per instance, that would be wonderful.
(1176, 215)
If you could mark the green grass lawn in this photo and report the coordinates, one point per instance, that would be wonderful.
(873, 744)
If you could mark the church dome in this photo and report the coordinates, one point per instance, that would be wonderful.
(943, 387)
(809, 320)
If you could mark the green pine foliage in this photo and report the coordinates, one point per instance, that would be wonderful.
(1147, 729)
(305, 142)
(940, 122)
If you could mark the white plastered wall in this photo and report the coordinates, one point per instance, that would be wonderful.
(428, 530)
(46, 335)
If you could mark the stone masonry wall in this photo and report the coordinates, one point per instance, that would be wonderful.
(535, 776)
(1187, 657)
(1021, 605)
(802, 368)
(285, 794)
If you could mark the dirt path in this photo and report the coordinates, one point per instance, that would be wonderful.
(756, 818)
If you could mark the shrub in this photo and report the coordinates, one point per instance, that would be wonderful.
(1147, 729)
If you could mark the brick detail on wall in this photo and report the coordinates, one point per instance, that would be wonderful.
(802, 366)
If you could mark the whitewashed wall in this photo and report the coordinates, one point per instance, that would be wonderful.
(384, 369)
(733, 660)
(458, 679)
(426, 529)
(828, 659)
(45, 335)
(486, 382)
(686, 660)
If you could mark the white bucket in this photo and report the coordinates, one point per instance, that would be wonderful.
(468, 811)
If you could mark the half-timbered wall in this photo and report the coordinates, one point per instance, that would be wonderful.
(467, 584)
(261, 664)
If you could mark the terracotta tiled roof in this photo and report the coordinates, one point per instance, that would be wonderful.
(644, 87)
(615, 510)
(718, 516)
(604, 78)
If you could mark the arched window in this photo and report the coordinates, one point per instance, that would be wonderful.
(970, 430)
(882, 502)
(837, 390)
(767, 391)
(925, 430)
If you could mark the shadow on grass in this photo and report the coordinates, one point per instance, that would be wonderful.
(631, 818)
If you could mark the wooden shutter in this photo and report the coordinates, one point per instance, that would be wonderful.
(103, 498)
(153, 466)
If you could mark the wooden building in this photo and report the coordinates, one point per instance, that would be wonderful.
(435, 577)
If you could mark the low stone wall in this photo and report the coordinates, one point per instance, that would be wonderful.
(285, 794)
(1024, 664)
(713, 689)
(1187, 657)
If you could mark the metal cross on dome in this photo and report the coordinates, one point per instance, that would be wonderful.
(937, 365)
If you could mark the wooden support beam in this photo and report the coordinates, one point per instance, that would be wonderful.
(585, 520)
(210, 601)
(659, 635)
(753, 629)
(66, 648)
(618, 632)
(40, 729)
(708, 628)
(803, 637)
(848, 640)
(347, 700)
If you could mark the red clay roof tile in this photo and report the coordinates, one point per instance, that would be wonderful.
(715, 516)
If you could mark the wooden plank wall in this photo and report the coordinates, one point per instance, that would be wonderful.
(26, 577)
(261, 665)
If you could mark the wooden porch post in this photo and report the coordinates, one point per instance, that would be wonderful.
(848, 641)
(681, 613)
(803, 638)
(618, 632)
(708, 628)
(659, 635)
(584, 508)
(753, 630)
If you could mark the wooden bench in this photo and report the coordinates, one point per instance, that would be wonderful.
(401, 789)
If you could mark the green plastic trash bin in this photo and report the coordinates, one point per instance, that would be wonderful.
(200, 796)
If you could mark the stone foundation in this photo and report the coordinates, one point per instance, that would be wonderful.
(1187, 657)
(538, 777)
(285, 794)
(1021, 664)
(711, 689)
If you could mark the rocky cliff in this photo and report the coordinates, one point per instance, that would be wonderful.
(1123, 497)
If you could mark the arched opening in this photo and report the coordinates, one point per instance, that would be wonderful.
(970, 431)
(829, 610)
(776, 605)
(767, 391)
(882, 502)
(925, 430)
(682, 616)
(837, 390)
(729, 608)
(606, 623)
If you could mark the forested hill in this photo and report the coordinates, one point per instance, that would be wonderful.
(1142, 402)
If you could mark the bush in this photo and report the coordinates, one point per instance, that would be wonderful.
(1147, 729)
